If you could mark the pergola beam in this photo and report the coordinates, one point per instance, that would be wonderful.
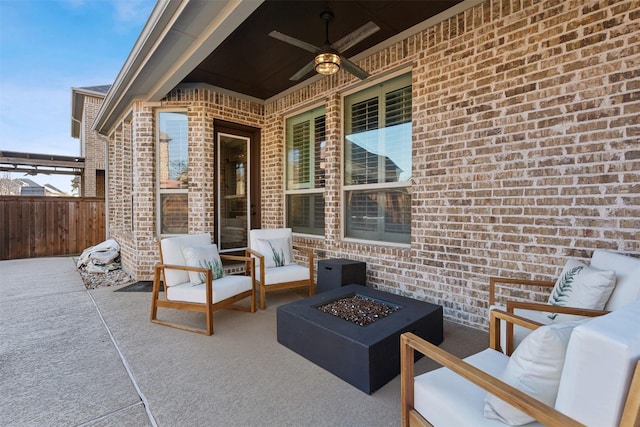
(34, 163)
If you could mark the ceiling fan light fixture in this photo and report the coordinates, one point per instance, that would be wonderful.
(327, 63)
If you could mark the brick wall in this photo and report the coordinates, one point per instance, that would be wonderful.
(93, 148)
(526, 150)
(132, 207)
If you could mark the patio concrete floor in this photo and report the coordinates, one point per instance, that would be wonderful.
(72, 357)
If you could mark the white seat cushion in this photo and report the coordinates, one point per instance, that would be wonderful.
(600, 361)
(627, 269)
(223, 288)
(287, 273)
(438, 394)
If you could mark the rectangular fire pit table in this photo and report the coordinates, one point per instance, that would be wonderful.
(367, 357)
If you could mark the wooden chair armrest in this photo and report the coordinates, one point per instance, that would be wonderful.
(517, 398)
(305, 251)
(236, 258)
(538, 306)
(256, 254)
(509, 281)
(494, 325)
(182, 267)
(249, 262)
(309, 254)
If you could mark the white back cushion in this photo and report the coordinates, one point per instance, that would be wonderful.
(581, 286)
(172, 254)
(627, 268)
(268, 234)
(600, 361)
(203, 257)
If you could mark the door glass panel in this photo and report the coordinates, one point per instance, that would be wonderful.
(233, 185)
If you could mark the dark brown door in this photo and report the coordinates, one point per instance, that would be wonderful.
(237, 184)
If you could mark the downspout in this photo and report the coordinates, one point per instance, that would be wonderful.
(106, 184)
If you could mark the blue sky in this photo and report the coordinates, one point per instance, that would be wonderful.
(46, 48)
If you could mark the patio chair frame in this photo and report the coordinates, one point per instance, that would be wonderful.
(208, 308)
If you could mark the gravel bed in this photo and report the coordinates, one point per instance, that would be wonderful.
(111, 278)
(358, 310)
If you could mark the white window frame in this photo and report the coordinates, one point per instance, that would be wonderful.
(301, 189)
(345, 188)
(159, 191)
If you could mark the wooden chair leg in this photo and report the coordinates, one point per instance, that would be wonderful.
(154, 294)
(209, 316)
(262, 296)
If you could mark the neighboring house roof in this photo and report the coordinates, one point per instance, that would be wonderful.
(102, 89)
(226, 44)
(77, 104)
(53, 189)
(26, 182)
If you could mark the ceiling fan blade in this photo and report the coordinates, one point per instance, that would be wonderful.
(355, 37)
(295, 42)
(303, 71)
(353, 68)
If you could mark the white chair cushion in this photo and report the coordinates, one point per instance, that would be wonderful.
(627, 289)
(438, 394)
(204, 257)
(276, 252)
(600, 361)
(581, 286)
(223, 288)
(535, 368)
(172, 254)
(288, 273)
(267, 234)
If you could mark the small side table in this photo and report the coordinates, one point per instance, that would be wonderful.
(337, 272)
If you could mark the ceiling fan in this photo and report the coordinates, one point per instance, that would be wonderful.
(328, 59)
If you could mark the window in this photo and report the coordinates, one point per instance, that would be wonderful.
(377, 162)
(305, 173)
(173, 177)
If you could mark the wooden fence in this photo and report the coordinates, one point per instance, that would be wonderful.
(36, 226)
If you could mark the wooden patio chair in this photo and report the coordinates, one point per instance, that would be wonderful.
(626, 290)
(276, 269)
(190, 287)
(575, 373)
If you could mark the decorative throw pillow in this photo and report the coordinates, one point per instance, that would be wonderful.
(535, 368)
(582, 287)
(277, 252)
(203, 257)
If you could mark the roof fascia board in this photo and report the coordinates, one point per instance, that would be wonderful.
(163, 15)
(162, 31)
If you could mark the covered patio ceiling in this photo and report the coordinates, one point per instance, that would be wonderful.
(226, 44)
(252, 63)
